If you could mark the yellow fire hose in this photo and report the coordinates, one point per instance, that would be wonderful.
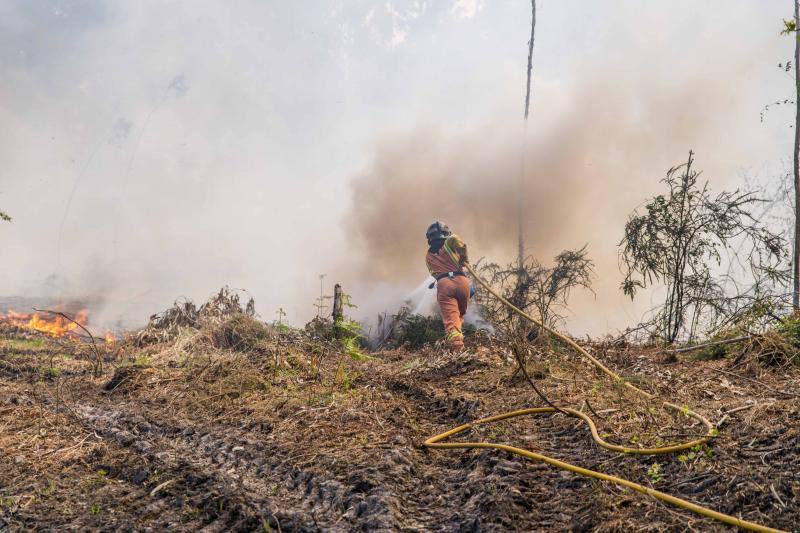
(436, 441)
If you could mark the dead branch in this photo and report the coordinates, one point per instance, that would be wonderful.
(757, 382)
(98, 365)
(709, 344)
(521, 366)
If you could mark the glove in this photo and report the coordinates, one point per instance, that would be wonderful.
(459, 248)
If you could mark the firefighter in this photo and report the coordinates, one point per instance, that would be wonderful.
(447, 255)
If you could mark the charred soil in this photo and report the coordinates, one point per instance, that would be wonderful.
(194, 431)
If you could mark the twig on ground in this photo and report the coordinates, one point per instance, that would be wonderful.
(68, 448)
(736, 410)
(586, 401)
(710, 344)
(161, 486)
(98, 366)
(777, 497)
(521, 366)
(759, 383)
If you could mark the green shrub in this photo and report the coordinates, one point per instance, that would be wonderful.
(720, 351)
(416, 331)
(789, 329)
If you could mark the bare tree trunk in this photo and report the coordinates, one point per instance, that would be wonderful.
(338, 312)
(796, 261)
(521, 195)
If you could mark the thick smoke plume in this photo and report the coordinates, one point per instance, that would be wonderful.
(590, 160)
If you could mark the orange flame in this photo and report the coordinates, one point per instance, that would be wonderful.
(54, 325)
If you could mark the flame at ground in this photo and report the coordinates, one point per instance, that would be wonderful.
(50, 323)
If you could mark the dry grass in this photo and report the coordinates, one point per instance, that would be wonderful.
(162, 406)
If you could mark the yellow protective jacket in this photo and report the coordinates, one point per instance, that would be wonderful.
(451, 257)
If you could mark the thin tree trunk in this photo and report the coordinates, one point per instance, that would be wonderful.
(338, 304)
(796, 261)
(520, 192)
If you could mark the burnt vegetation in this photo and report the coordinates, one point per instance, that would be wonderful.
(212, 418)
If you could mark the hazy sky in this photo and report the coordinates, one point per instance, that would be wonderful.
(152, 150)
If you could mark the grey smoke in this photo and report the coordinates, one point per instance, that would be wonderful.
(225, 143)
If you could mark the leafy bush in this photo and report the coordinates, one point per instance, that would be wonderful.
(677, 238)
(789, 329)
(720, 351)
(774, 347)
(415, 331)
(352, 338)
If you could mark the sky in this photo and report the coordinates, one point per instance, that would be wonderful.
(156, 150)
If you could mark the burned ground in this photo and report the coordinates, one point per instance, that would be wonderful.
(284, 435)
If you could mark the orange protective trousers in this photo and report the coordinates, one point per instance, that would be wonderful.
(453, 297)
